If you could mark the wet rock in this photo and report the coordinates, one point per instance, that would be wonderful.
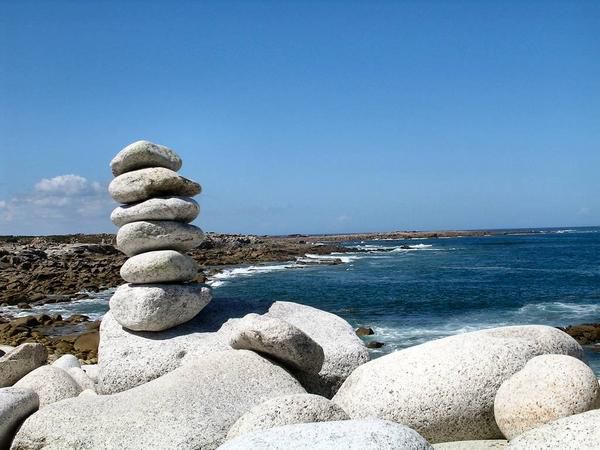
(375, 344)
(364, 331)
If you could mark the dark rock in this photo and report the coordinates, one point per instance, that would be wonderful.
(364, 331)
(375, 344)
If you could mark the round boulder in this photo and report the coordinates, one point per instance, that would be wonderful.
(15, 405)
(142, 184)
(370, 434)
(20, 361)
(287, 410)
(179, 209)
(51, 384)
(278, 339)
(445, 389)
(67, 362)
(142, 154)
(547, 388)
(160, 266)
(145, 236)
(157, 307)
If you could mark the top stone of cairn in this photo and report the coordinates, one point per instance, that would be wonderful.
(143, 154)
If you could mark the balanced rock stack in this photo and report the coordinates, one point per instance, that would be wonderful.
(155, 232)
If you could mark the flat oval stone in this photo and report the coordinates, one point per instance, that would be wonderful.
(161, 266)
(145, 236)
(179, 209)
(142, 184)
(142, 154)
(157, 307)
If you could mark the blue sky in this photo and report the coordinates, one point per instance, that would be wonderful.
(306, 117)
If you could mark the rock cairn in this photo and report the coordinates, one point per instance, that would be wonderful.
(154, 233)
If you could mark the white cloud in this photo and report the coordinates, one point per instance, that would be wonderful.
(59, 203)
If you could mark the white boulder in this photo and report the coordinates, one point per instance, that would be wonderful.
(160, 266)
(142, 154)
(371, 434)
(142, 184)
(343, 350)
(445, 389)
(179, 209)
(547, 388)
(192, 407)
(67, 362)
(80, 377)
(278, 339)
(157, 307)
(50, 383)
(20, 361)
(144, 236)
(15, 405)
(287, 410)
(578, 432)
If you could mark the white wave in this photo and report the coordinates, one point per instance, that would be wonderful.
(343, 257)
(220, 278)
(561, 310)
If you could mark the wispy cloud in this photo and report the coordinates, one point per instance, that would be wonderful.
(61, 199)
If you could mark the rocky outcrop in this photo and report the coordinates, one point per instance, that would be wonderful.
(287, 410)
(547, 388)
(343, 350)
(371, 434)
(278, 339)
(445, 389)
(192, 407)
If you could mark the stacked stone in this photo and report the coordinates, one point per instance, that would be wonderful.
(155, 232)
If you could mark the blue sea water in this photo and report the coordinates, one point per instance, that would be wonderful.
(435, 287)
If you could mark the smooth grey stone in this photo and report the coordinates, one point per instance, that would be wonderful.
(369, 434)
(343, 350)
(67, 362)
(157, 307)
(190, 408)
(547, 388)
(179, 209)
(160, 266)
(145, 236)
(81, 378)
(578, 432)
(278, 339)
(142, 184)
(486, 444)
(51, 384)
(20, 361)
(142, 154)
(445, 389)
(287, 410)
(15, 405)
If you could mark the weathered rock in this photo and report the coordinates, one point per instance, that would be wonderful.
(142, 184)
(144, 236)
(20, 361)
(161, 266)
(445, 389)
(179, 209)
(343, 350)
(67, 362)
(371, 434)
(15, 405)
(81, 378)
(364, 331)
(580, 432)
(157, 307)
(547, 388)
(488, 444)
(278, 339)
(92, 371)
(51, 384)
(142, 154)
(287, 410)
(192, 407)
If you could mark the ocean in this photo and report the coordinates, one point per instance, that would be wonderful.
(412, 291)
